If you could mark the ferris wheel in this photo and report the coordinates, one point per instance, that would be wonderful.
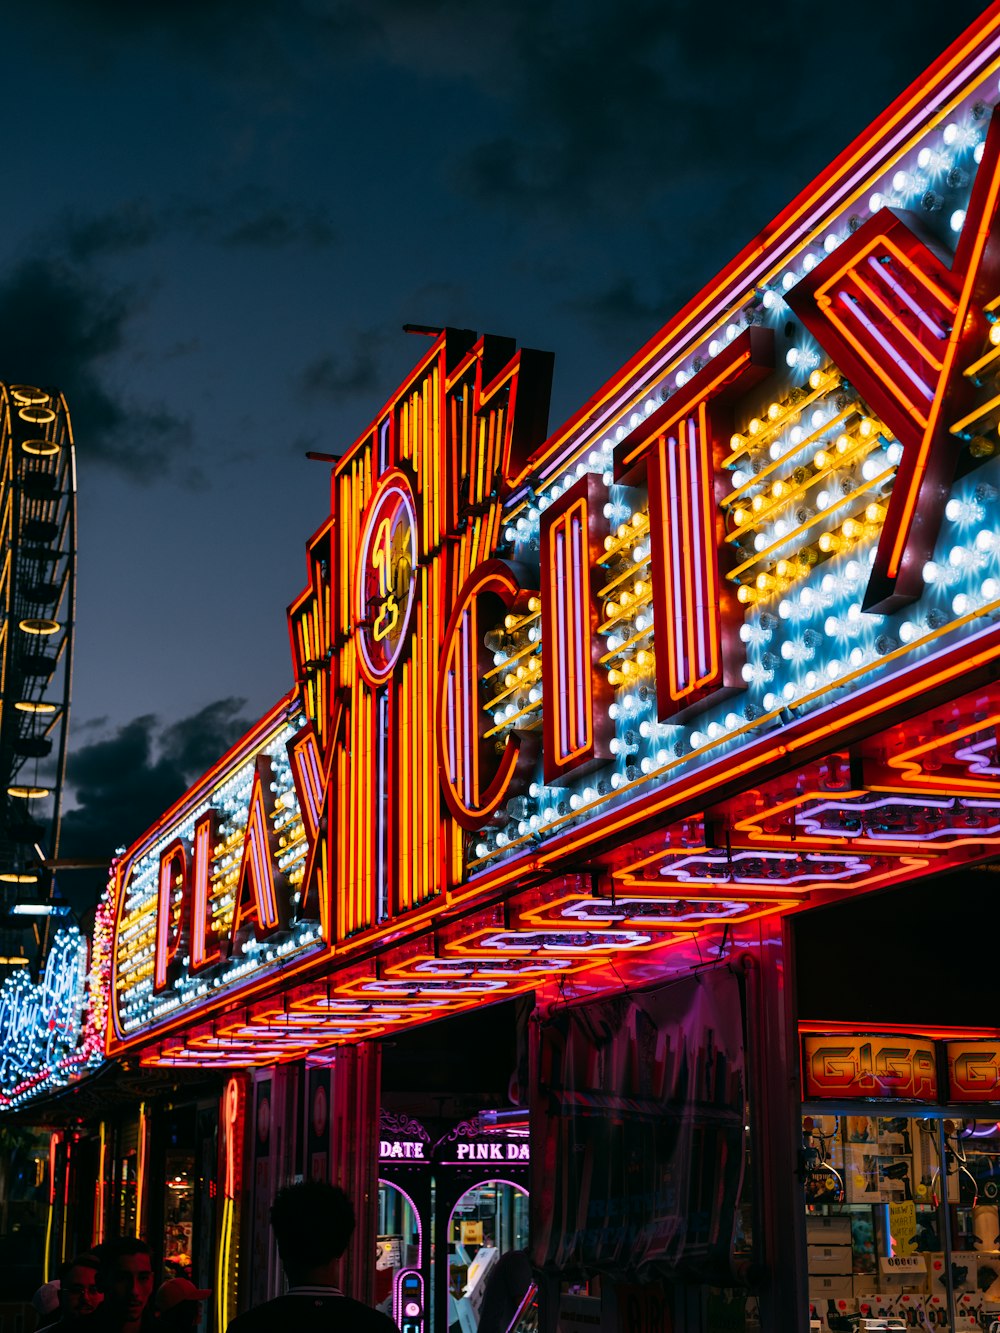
(37, 614)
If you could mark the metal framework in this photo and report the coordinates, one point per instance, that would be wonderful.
(37, 600)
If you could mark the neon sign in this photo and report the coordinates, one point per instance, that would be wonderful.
(869, 1066)
(385, 576)
(45, 1037)
(216, 897)
(708, 647)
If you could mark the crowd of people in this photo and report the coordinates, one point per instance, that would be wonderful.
(112, 1290)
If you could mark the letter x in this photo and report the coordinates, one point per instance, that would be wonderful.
(902, 325)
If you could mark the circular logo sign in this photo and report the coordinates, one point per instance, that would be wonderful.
(385, 582)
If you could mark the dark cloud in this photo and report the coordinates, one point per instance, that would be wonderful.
(354, 372)
(622, 305)
(274, 228)
(128, 227)
(246, 218)
(122, 783)
(62, 328)
(608, 107)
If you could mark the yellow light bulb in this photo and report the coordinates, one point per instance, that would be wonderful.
(773, 412)
(821, 460)
(995, 334)
(737, 441)
(741, 516)
(756, 426)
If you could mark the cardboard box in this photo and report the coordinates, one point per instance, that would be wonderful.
(988, 1276)
(910, 1307)
(874, 1177)
(829, 1259)
(831, 1312)
(834, 1230)
(968, 1311)
(965, 1270)
(832, 1288)
(876, 1304)
(936, 1314)
(937, 1278)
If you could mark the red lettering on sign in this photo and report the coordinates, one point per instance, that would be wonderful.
(682, 445)
(902, 325)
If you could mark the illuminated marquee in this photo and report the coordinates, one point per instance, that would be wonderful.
(846, 1066)
(45, 1038)
(215, 897)
(726, 638)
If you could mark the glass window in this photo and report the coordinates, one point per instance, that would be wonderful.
(902, 1220)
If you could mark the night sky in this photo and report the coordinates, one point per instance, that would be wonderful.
(219, 214)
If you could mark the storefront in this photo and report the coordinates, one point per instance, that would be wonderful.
(594, 716)
(447, 1211)
(900, 1137)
